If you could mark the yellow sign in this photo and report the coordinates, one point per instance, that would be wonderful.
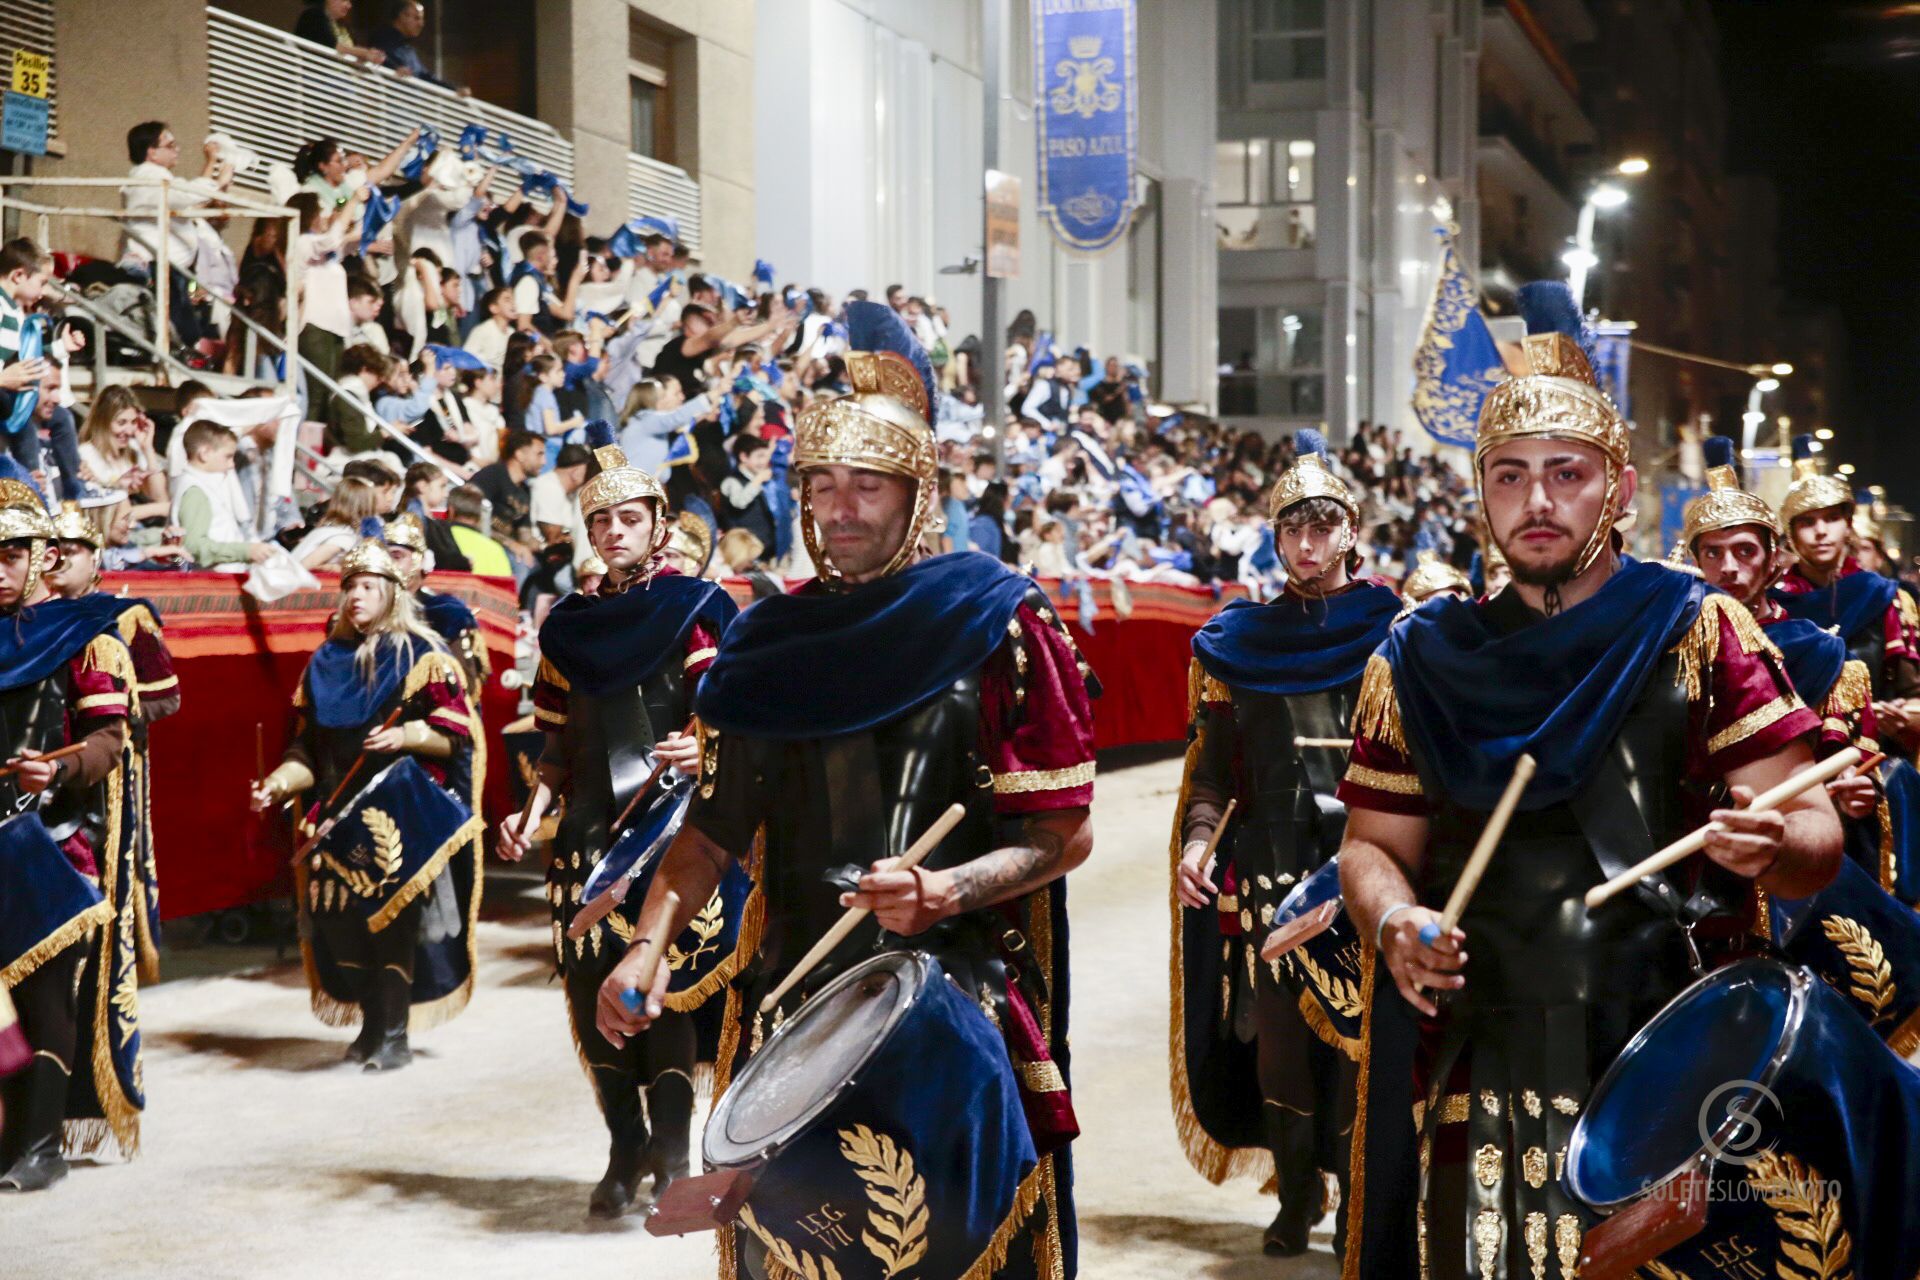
(30, 73)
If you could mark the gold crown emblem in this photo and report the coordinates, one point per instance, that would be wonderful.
(1084, 46)
(619, 482)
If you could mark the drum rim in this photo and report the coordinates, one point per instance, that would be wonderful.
(1799, 986)
(680, 786)
(920, 962)
(1300, 885)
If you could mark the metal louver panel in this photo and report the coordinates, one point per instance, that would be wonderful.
(655, 189)
(28, 24)
(275, 92)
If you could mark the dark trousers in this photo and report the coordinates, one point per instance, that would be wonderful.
(665, 1050)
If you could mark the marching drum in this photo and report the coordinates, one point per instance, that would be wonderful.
(1318, 949)
(1755, 1127)
(882, 1129)
(394, 829)
(1866, 945)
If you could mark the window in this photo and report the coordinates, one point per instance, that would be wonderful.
(1273, 362)
(1287, 40)
(650, 101)
(1263, 193)
(645, 117)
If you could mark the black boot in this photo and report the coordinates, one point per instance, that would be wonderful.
(670, 1107)
(37, 1139)
(619, 1186)
(1290, 1137)
(369, 1038)
(393, 1001)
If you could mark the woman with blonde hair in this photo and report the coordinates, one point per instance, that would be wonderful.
(338, 527)
(116, 451)
(388, 899)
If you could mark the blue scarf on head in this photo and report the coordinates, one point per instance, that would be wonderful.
(1295, 645)
(448, 616)
(39, 638)
(606, 642)
(1472, 700)
(821, 663)
(1814, 657)
(342, 698)
(1850, 603)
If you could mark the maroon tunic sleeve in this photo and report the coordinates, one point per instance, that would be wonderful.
(1747, 708)
(1036, 719)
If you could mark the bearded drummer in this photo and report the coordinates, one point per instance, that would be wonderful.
(618, 670)
(851, 714)
(1254, 1079)
(1651, 706)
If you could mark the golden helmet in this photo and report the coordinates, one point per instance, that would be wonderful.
(74, 525)
(618, 481)
(406, 531)
(1430, 577)
(1725, 505)
(690, 536)
(1309, 477)
(369, 555)
(1812, 489)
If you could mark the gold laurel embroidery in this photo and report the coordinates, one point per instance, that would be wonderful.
(621, 929)
(126, 995)
(1869, 976)
(898, 1219)
(788, 1262)
(1814, 1244)
(1658, 1270)
(705, 928)
(1338, 992)
(386, 842)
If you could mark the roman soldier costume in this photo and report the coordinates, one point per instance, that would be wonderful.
(448, 616)
(1431, 577)
(68, 906)
(1255, 1089)
(618, 670)
(1636, 702)
(389, 884)
(156, 696)
(850, 718)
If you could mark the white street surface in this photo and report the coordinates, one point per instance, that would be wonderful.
(266, 1155)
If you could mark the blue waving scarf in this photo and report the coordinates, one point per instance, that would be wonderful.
(35, 641)
(341, 697)
(1472, 700)
(821, 663)
(1814, 657)
(1849, 603)
(447, 615)
(1293, 645)
(603, 642)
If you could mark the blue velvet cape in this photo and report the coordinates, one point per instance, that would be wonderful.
(1814, 657)
(1294, 645)
(341, 697)
(1472, 700)
(825, 662)
(604, 642)
(35, 641)
(1849, 603)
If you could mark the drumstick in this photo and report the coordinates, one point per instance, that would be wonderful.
(259, 750)
(845, 925)
(1336, 744)
(59, 753)
(1482, 853)
(1688, 845)
(348, 776)
(651, 949)
(1213, 841)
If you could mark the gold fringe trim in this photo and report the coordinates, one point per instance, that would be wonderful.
(1376, 712)
(1699, 648)
(1040, 938)
(1211, 1160)
(54, 943)
(330, 1012)
(994, 1256)
(1909, 611)
(1889, 868)
(416, 885)
(1850, 692)
(434, 1013)
(733, 1014)
(1357, 1150)
(135, 620)
(1318, 1023)
(142, 924)
(753, 921)
(122, 1118)
(436, 664)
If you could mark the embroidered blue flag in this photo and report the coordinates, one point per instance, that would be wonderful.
(1457, 362)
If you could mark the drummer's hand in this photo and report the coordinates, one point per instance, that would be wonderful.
(904, 902)
(386, 740)
(263, 797)
(1894, 714)
(679, 750)
(1853, 794)
(514, 842)
(1415, 965)
(34, 774)
(1192, 881)
(611, 1015)
(1744, 842)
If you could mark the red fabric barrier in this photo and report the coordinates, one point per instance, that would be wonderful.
(239, 661)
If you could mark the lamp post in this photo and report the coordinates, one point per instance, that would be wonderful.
(1581, 259)
(1754, 415)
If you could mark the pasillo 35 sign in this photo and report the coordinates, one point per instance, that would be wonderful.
(1086, 84)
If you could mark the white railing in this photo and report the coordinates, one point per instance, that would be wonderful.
(274, 92)
(657, 190)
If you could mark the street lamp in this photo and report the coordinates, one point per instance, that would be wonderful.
(1754, 416)
(1581, 259)
(1633, 166)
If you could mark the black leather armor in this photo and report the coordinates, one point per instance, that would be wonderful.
(34, 716)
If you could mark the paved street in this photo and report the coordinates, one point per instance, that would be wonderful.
(265, 1155)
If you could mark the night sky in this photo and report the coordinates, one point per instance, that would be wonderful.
(1825, 99)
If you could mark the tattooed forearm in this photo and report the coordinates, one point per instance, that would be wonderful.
(1012, 871)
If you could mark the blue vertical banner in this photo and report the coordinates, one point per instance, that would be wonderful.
(1086, 81)
(1673, 508)
(1457, 362)
(1612, 346)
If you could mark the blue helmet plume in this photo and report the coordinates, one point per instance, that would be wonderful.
(1802, 447)
(599, 433)
(373, 528)
(874, 326)
(1863, 497)
(1718, 450)
(1548, 306)
(1306, 440)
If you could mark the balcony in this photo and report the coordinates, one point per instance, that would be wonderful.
(274, 92)
(1516, 49)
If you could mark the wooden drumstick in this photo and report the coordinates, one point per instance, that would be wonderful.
(321, 832)
(838, 934)
(651, 949)
(1687, 845)
(1219, 829)
(1482, 852)
(58, 753)
(1334, 744)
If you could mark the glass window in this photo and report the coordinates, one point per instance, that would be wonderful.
(1259, 157)
(1230, 173)
(1288, 40)
(1286, 226)
(645, 100)
(1297, 170)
